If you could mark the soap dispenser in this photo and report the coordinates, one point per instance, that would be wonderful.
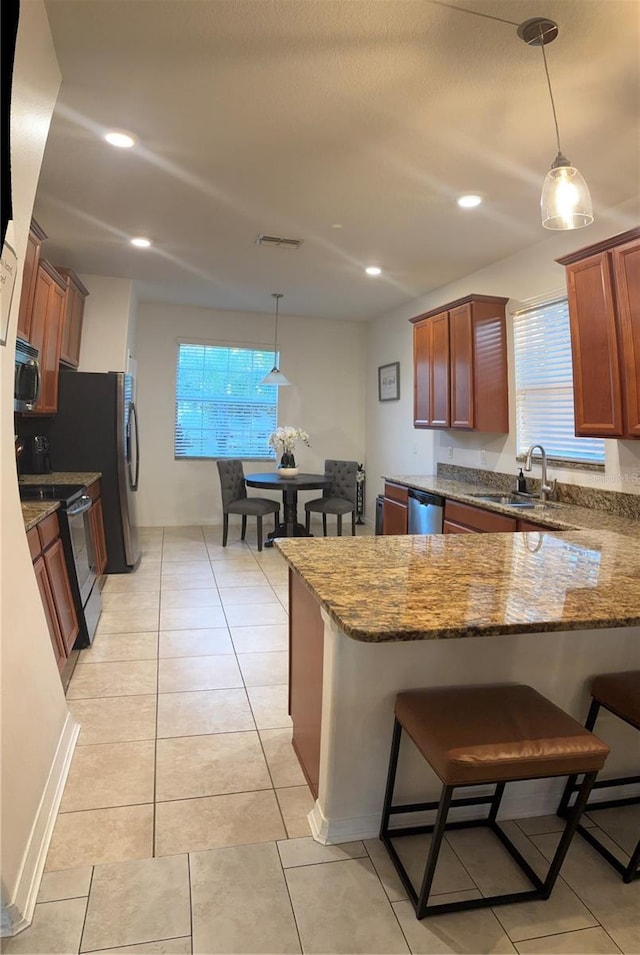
(522, 482)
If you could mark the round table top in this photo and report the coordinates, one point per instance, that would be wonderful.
(303, 482)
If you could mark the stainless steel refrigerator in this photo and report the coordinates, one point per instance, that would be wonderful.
(96, 429)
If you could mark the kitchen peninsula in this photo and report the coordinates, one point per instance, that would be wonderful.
(372, 616)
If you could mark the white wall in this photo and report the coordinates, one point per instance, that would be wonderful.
(324, 360)
(108, 328)
(394, 446)
(33, 705)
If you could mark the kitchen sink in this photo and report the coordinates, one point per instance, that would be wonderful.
(513, 500)
(509, 499)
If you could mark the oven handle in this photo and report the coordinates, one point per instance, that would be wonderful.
(82, 505)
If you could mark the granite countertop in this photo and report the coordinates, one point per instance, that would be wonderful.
(35, 511)
(394, 588)
(559, 517)
(61, 477)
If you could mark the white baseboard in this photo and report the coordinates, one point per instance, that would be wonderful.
(18, 914)
(540, 800)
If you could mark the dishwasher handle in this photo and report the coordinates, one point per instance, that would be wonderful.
(425, 497)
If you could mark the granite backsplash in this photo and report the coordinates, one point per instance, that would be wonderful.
(615, 502)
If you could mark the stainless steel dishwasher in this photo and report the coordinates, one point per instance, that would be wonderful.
(425, 512)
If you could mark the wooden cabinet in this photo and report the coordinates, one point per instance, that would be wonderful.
(463, 518)
(531, 526)
(29, 275)
(603, 285)
(75, 296)
(46, 333)
(96, 524)
(52, 576)
(49, 607)
(395, 509)
(460, 366)
(306, 647)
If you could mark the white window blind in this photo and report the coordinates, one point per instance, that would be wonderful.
(222, 410)
(544, 385)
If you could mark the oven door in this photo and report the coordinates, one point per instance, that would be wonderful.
(80, 535)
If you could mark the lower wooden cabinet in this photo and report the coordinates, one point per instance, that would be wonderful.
(395, 511)
(306, 648)
(52, 576)
(96, 525)
(463, 518)
(50, 613)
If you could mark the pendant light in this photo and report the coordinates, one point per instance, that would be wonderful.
(275, 376)
(565, 202)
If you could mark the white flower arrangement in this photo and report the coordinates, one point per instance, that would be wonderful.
(284, 439)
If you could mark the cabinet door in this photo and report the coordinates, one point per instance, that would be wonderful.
(594, 343)
(62, 596)
(395, 517)
(98, 541)
(46, 332)
(531, 526)
(450, 527)
(50, 613)
(439, 385)
(422, 374)
(306, 647)
(72, 327)
(478, 518)
(626, 261)
(29, 275)
(461, 343)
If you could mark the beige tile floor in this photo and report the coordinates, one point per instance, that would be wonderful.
(183, 823)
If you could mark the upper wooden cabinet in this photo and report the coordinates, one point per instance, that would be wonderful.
(603, 285)
(46, 333)
(460, 366)
(29, 275)
(76, 293)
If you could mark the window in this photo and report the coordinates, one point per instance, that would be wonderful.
(222, 410)
(544, 385)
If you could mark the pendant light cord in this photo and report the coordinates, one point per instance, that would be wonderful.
(553, 105)
(277, 296)
(476, 13)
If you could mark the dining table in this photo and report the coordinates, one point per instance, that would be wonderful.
(289, 485)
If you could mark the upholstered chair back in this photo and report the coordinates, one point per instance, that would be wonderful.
(343, 476)
(231, 481)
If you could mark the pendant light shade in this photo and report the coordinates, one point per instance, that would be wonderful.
(275, 376)
(565, 202)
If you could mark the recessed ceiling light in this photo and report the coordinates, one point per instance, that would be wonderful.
(469, 202)
(373, 270)
(119, 139)
(336, 225)
(140, 242)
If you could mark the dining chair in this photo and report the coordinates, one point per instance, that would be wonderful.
(235, 500)
(338, 498)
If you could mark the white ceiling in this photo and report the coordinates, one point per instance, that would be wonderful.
(291, 116)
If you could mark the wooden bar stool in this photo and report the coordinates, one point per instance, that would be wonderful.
(619, 693)
(479, 735)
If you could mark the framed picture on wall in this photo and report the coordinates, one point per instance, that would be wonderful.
(389, 381)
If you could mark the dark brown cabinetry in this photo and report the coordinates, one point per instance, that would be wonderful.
(29, 275)
(46, 333)
(460, 366)
(603, 285)
(466, 518)
(395, 509)
(96, 525)
(306, 647)
(75, 296)
(51, 573)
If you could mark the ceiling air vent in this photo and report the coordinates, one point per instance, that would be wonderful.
(277, 240)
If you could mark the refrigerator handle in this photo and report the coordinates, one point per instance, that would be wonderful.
(133, 416)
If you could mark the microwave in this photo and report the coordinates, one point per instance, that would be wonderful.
(26, 383)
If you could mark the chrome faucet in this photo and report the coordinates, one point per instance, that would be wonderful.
(545, 488)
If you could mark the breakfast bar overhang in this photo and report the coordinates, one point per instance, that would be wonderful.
(372, 616)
